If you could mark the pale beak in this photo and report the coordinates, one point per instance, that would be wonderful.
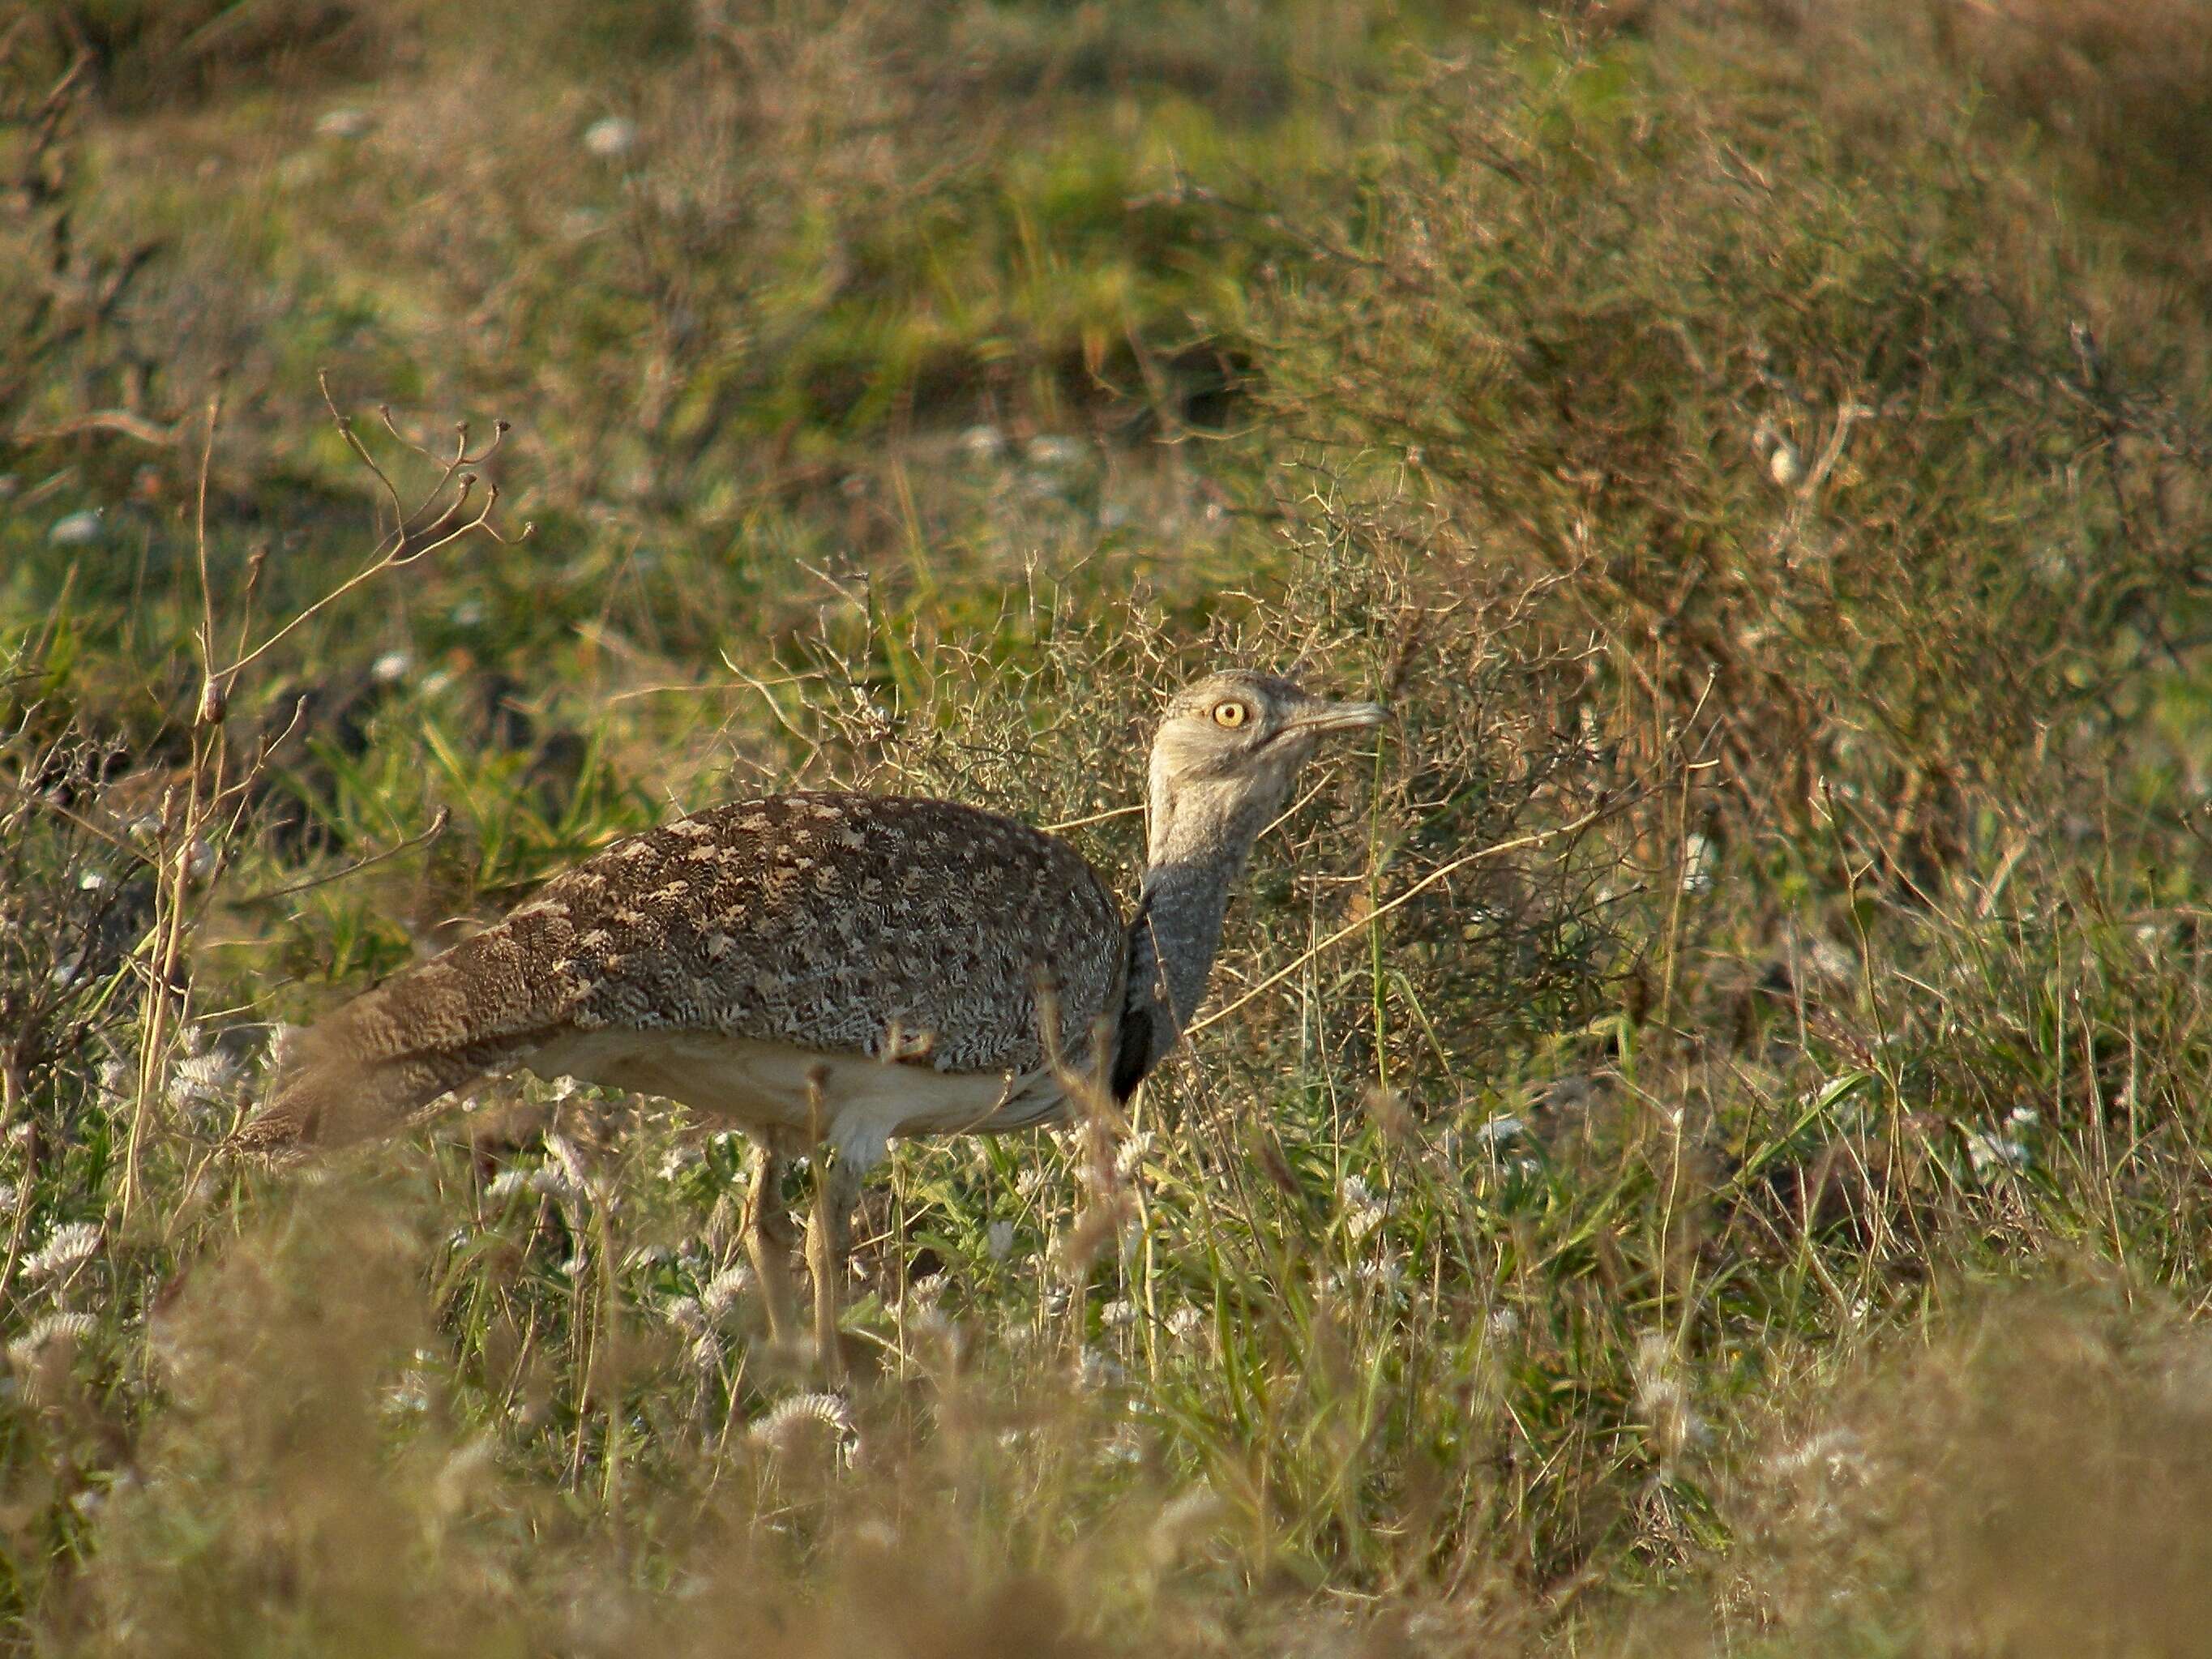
(1321, 717)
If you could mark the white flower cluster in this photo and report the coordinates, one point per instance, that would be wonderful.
(204, 1085)
(65, 1247)
(2008, 1150)
(725, 1290)
(53, 1332)
(1363, 1212)
(790, 1423)
(703, 1348)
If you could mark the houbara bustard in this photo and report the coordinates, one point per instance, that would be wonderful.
(827, 971)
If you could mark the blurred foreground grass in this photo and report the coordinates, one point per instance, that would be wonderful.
(1760, 452)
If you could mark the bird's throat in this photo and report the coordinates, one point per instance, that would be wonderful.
(1178, 935)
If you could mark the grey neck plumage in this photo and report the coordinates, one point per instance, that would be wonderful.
(1199, 847)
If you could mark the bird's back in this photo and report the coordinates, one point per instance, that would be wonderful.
(891, 928)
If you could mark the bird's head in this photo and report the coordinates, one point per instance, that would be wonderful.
(1227, 752)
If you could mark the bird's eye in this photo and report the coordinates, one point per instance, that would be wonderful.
(1231, 714)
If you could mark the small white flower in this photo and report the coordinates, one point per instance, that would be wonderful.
(1125, 1445)
(203, 1081)
(565, 1176)
(65, 1247)
(1837, 1454)
(53, 1331)
(998, 1239)
(284, 1044)
(1699, 860)
(1363, 1211)
(1662, 1400)
(76, 530)
(1119, 1313)
(610, 138)
(1988, 1152)
(199, 860)
(1503, 1128)
(725, 1290)
(1131, 1152)
(1381, 1278)
(790, 1422)
(344, 122)
(1785, 464)
(1185, 1519)
(511, 1180)
(926, 1321)
(1503, 1325)
(1050, 452)
(1185, 1324)
(1093, 1370)
(983, 443)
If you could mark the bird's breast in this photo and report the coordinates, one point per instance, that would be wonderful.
(796, 1095)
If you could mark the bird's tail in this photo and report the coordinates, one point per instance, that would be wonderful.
(369, 1067)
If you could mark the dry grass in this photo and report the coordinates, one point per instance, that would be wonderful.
(1702, 1148)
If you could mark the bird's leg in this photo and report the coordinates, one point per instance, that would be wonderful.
(766, 1230)
(828, 1230)
(829, 1244)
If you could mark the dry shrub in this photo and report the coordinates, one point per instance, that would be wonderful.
(309, 1476)
(75, 893)
(2102, 102)
(2032, 1483)
(1634, 415)
(150, 52)
(1590, 339)
(2127, 81)
(263, 1500)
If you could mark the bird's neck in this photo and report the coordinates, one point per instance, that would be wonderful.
(1195, 858)
(1178, 933)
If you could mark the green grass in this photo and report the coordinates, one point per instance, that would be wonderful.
(1761, 1210)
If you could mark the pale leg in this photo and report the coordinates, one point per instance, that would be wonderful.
(829, 1242)
(766, 1233)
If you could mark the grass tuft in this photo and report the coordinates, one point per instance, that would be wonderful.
(1698, 1144)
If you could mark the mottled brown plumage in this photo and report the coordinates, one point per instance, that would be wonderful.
(892, 928)
(835, 969)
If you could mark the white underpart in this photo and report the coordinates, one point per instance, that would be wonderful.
(765, 1089)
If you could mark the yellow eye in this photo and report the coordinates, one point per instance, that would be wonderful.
(1230, 715)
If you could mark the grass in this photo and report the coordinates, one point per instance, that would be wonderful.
(1701, 1147)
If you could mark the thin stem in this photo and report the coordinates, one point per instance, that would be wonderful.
(1519, 843)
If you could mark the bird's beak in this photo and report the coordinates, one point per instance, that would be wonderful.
(1321, 717)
